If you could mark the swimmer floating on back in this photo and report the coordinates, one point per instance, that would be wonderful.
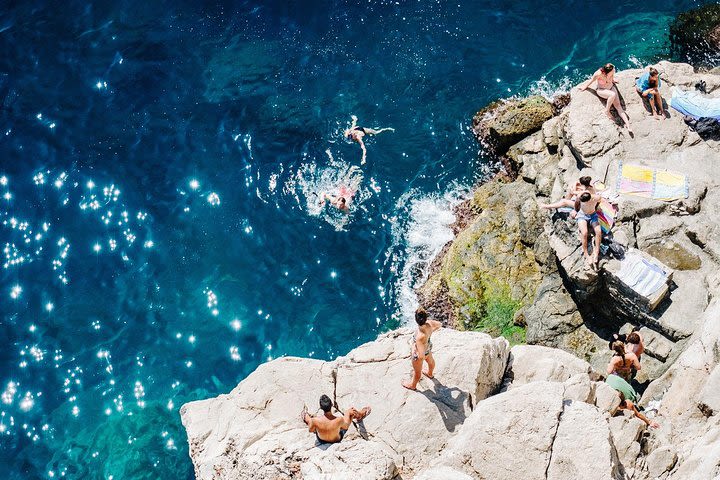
(357, 133)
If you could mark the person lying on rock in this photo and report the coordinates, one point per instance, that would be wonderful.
(584, 184)
(623, 364)
(422, 348)
(586, 207)
(648, 85)
(605, 78)
(356, 133)
(627, 398)
(327, 427)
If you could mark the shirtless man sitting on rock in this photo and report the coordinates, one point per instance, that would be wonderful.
(327, 427)
(586, 207)
(584, 184)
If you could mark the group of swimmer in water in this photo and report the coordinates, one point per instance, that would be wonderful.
(355, 133)
(583, 198)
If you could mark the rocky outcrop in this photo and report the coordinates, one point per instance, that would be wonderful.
(455, 427)
(695, 35)
(505, 122)
(255, 431)
(531, 411)
(555, 296)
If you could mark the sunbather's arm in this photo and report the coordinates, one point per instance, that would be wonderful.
(587, 83)
(435, 325)
(633, 408)
(611, 366)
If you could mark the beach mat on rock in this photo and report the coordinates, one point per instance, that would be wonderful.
(606, 215)
(694, 104)
(641, 275)
(650, 182)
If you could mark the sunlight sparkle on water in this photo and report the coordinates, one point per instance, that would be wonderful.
(194, 184)
(15, 292)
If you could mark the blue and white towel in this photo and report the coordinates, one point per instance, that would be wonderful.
(642, 276)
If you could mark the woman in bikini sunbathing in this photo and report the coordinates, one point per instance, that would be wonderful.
(605, 78)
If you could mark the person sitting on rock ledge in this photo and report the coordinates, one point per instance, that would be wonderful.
(623, 364)
(648, 85)
(627, 398)
(328, 428)
(584, 184)
(586, 207)
(605, 77)
(422, 348)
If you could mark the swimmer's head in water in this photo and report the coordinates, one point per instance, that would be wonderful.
(341, 201)
(607, 68)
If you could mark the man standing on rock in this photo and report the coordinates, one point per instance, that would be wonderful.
(327, 427)
(422, 348)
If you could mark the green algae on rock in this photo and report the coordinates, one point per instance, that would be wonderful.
(489, 271)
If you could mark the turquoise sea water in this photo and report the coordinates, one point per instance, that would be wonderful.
(160, 164)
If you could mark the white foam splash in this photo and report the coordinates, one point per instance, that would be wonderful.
(417, 240)
(339, 178)
(549, 89)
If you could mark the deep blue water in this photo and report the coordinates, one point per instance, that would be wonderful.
(159, 166)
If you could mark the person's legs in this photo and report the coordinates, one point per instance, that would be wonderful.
(417, 372)
(598, 239)
(431, 365)
(609, 96)
(621, 112)
(658, 102)
(582, 225)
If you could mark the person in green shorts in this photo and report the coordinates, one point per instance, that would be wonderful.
(628, 397)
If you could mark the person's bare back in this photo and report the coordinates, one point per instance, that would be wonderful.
(329, 428)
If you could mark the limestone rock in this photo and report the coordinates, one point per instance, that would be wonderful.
(532, 363)
(352, 460)
(626, 432)
(442, 473)
(606, 398)
(505, 122)
(552, 313)
(661, 460)
(524, 419)
(583, 446)
(470, 366)
(256, 432)
(579, 388)
(709, 399)
(490, 266)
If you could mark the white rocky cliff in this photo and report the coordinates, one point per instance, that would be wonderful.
(534, 411)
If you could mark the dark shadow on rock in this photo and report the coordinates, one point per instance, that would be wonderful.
(450, 403)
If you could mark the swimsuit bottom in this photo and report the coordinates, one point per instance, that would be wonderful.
(342, 433)
(592, 219)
